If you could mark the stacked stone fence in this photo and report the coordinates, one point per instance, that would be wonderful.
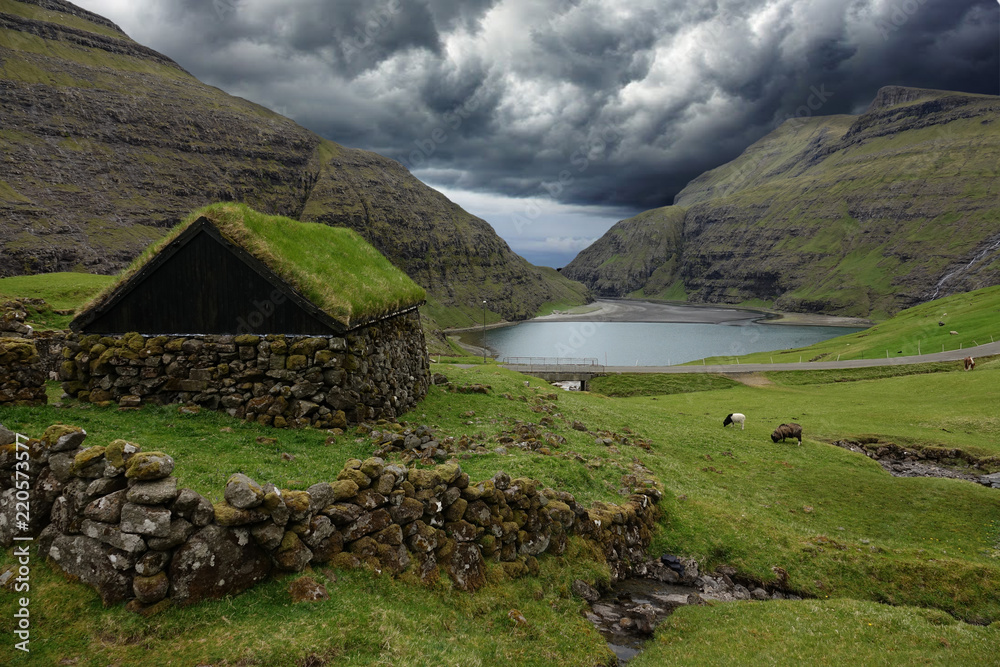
(50, 346)
(376, 372)
(22, 375)
(114, 518)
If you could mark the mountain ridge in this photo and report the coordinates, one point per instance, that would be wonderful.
(107, 144)
(852, 215)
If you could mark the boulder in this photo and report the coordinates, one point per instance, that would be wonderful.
(87, 559)
(156, 492)
(466, 567)
(150, 589)
(180, 530)
(214, 563)
(367, 523)
(320, 528)
(60, 437)
(408, 510)
(307, 589)
(243, 492)
(292, 555)
(194, 507)
(268, 535)
(327, 549)
(106, 485)
(320, 495)
(149, 466)
(145, 520)
(584, 590)
(343, 489)
(152, 562)
(119, 452)
(344, 513)
(111, 535)
(107, 509)
(227, 515)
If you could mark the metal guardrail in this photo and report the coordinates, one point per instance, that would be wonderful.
(555, 363)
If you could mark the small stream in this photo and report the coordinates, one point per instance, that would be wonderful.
(627, 615)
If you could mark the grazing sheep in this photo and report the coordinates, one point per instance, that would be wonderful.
(735, 418)
(970, 363)
(787, 431)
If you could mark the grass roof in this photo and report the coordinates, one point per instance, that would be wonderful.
(333, 267)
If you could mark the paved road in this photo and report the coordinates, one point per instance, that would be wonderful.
(953, 355)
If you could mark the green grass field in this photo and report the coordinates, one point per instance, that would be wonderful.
(923, 329)
(917, 559)
(61, 291)
(894, 571)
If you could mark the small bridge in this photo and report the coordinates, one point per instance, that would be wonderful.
(556, 369)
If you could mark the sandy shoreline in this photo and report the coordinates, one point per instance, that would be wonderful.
(627, 310)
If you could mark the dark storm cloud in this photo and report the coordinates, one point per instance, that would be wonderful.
(578, 101)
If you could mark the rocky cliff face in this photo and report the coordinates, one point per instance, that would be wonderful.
(105, 144)
(855, 215)
(638, 253)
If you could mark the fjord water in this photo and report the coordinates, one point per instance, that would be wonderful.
(649, 343)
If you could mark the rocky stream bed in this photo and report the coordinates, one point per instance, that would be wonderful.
(627, 614)
(951, 463)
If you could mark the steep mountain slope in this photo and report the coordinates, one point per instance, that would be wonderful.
(858, 215)
(105, 144)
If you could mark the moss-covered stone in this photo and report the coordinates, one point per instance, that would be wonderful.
(151, 589)
(296, 362)
(344, 489)
(297, 502)
(63, 437)
(359, 478)
(119, 452)
(227, 515)
(134, 341)
(448, 472)
(149, 465)
(87, 457)
(372, 467)
(422, 478)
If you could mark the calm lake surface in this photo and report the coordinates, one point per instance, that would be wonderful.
(652, 343)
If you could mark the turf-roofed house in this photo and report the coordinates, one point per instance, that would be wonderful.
(273, 320)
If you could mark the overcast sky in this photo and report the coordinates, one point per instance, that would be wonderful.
(552, 119)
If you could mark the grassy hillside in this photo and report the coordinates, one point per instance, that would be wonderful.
(851, 538)
(854, 215)
(110, 144)
(923, 329)
(63, 292)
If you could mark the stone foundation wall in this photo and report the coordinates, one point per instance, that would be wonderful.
(22, 375)
(377, 372)
(113, 517)
(50, 350)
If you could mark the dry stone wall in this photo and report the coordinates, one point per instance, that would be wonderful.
(114, 518)
(22, 375)
(376, 372)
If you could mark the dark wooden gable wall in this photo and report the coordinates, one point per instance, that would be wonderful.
(207, 286)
